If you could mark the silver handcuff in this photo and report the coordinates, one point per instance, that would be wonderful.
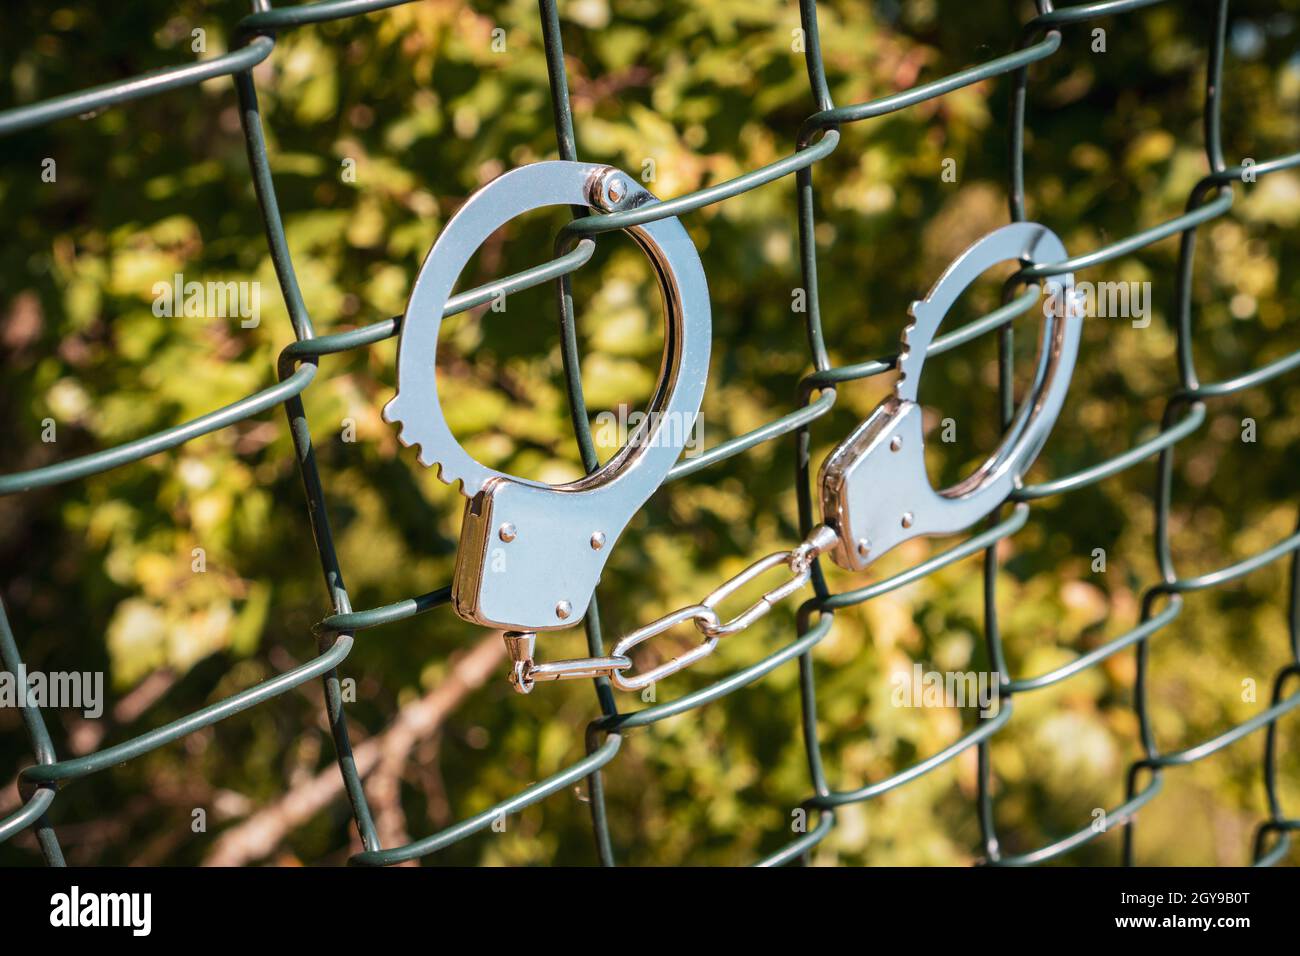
(531, 553)
(874, 486)
(874, 489)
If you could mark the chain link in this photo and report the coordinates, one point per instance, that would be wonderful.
(798, 561)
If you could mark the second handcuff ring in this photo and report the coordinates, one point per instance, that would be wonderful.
(875, 489)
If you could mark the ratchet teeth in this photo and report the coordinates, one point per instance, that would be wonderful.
(907, 356)
(407, 435)
(391, 413)
(444, 473)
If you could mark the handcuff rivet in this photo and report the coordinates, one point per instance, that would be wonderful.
(907, 519)
(563, 610)
(896, 444)
(598, 541)
(507, 532)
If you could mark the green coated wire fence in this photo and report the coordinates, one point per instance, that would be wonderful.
(1185, 411)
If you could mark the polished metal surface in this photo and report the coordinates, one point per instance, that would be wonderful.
(531, 553)
(874, 486)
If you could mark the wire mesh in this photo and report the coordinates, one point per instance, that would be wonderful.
(817, 137)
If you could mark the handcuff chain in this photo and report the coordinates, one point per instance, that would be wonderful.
(799, 560)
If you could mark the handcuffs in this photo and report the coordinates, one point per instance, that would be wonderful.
(531, 554)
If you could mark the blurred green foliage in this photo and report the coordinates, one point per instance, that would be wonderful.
(98, 573)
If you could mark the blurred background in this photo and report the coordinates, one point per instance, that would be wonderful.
(98, 574)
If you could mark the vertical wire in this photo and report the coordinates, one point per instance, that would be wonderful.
(566, 142)
(805, 197)
(305, 453)
(807, 228)
(38, 733)
(1187, 377)
(984, 781)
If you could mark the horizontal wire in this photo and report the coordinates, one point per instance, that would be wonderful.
(986, 728)
(1121, 815)
(1003, 529)
(28, 814)
(65, 770)
(168, 438)
(1097, 654)
(481, 821)
(1225, 739)
(20, 118)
